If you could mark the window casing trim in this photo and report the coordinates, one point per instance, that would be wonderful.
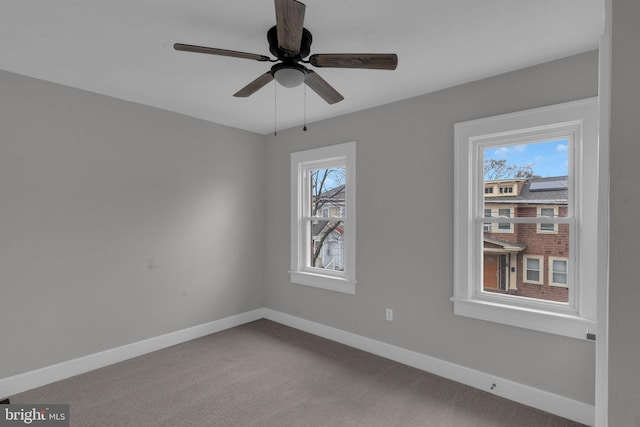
(539, 228)
(500, 227)
(540, 270)
(551, 270)
(301, 272)
(578, 120)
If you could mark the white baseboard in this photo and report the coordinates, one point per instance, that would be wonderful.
(536, 398)
(39, 377)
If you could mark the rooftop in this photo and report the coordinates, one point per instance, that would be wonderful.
(548, 190)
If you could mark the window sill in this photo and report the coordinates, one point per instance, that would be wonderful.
(338, 284)
(538, 320)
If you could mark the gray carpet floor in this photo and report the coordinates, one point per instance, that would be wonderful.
(267, 374)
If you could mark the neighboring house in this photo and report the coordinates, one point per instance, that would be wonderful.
(327, 236)
(528, 260)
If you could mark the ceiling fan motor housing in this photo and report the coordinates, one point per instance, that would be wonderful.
(283, 54)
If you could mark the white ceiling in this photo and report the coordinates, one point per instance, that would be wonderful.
(124, 49)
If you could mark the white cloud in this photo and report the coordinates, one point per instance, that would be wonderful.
(562, 147)
(503, 152)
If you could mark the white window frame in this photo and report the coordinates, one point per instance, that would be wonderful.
(578, 121)
(551, 260)
(301, 272)
(487, 225)
(539, 228)
(525, 269)
(499, 224)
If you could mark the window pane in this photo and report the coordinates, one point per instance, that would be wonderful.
(523, 263)
(560, 278)
(529, 180)
(560, 266)
(533, 275)
(547, 213)
(487, 214)
(505, 213)
(528, 173)
(328, 192)
(327, 245)
(559, 272)
(533, 264)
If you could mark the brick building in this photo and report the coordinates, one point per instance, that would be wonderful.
(529, 260)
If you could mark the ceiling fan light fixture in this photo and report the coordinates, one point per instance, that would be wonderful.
(290, 76)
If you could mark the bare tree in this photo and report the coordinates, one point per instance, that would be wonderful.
(499, 169)
(327, 190)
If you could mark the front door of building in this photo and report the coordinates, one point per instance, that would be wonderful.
(495, 272)
(490, 276)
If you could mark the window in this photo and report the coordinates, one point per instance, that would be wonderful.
(323, 217)
(533, 269)
(502, 226)
(506, 190)
(561, 200)
(558, 268)
(547, 213)
(488, 190)
(487, 214)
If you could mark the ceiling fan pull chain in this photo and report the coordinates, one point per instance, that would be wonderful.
(305, 109)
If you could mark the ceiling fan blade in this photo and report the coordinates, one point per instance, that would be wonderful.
(253, 87)
(322, 88)
(374, 61)
(289, 22)
(221, 52)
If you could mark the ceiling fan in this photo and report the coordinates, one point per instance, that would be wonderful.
(290, 42)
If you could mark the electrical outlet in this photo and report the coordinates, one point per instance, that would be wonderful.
(389, 314)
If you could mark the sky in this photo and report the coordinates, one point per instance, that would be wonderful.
(548, 158)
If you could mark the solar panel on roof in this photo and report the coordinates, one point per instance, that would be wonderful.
(561, 184)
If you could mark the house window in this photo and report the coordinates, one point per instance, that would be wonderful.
(323, 217)
(517, 145)
(487, 225)
(488, 190)
(506, 190)
(533, 269)
(547, 213)
(558, 268)
(505, 227)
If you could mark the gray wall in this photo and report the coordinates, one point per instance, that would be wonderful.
(119, 222)
(405, 230)
(624, 289)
